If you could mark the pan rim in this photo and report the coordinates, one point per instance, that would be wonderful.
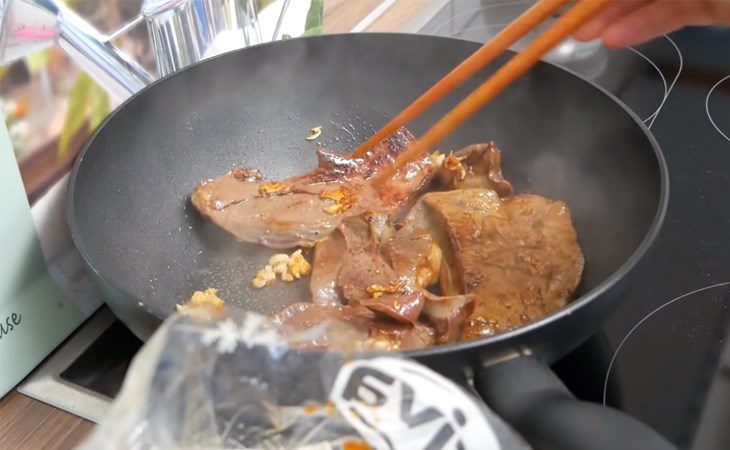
(564, 312)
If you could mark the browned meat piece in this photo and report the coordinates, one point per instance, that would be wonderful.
(351, 268)
(350, 261)
(357, 233)
(413, 251)
(381, 229)
(363, 269)
(374, 333)
(475, 166)
(296, 218)
(403, 308)
(519, 256)
(363, 265)
(447, 315)
(304, 209)
(416, 255)
(329, 256)
(396, 337)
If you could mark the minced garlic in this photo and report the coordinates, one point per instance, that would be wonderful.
(202, 303)
(314, 133)
(287, 267)
(264, 277)
(428, 271)
(298, 265)
(437, 158)
(454, 164)
(279, 263)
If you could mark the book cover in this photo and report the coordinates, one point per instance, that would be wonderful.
(35, 314)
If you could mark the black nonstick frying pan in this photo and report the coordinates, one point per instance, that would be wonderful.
(561, 137)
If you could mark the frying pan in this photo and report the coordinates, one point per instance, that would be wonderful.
(561, 136)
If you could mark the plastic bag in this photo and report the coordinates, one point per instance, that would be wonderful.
(236, 383)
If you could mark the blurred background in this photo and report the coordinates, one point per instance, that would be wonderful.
(51, 106)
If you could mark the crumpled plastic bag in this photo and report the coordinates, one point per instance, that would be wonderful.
(237, 383)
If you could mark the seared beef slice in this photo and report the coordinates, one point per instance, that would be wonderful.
(302, 210)
(519, 256)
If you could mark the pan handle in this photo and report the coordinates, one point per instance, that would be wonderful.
(526, 393)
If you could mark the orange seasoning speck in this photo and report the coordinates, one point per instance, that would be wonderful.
(342, 200)
(311, 409)
(356, 445)
(268, 189)
(375, 290)
(21, 109)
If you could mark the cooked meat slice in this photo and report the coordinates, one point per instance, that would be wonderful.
(328, 258)
(404, 308)
(319, 325)
(416, 255)
(519, 256)
(357, 233)
(408, 180)
(300, 211)
(364, 265)
(395, 337)
(481, 167)
(447, 315)
(380, 228)
(295, 216)
(332, 166)
(413, 251)
(350, 261)
(362, 270)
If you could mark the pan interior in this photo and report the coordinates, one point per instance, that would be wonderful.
(561, 137)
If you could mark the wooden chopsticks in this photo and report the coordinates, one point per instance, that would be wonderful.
(513, 69)
(519, 27)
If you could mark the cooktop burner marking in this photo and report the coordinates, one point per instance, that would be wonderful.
(667, 90)
(664, 82)
(507, 10)
(641, 322)
(707, 107)
(480, 27)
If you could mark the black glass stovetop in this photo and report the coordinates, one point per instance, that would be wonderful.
(666, 346)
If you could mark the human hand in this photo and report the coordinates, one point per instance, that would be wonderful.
(631, 22)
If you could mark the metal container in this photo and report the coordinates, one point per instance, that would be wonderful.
(184, 31)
